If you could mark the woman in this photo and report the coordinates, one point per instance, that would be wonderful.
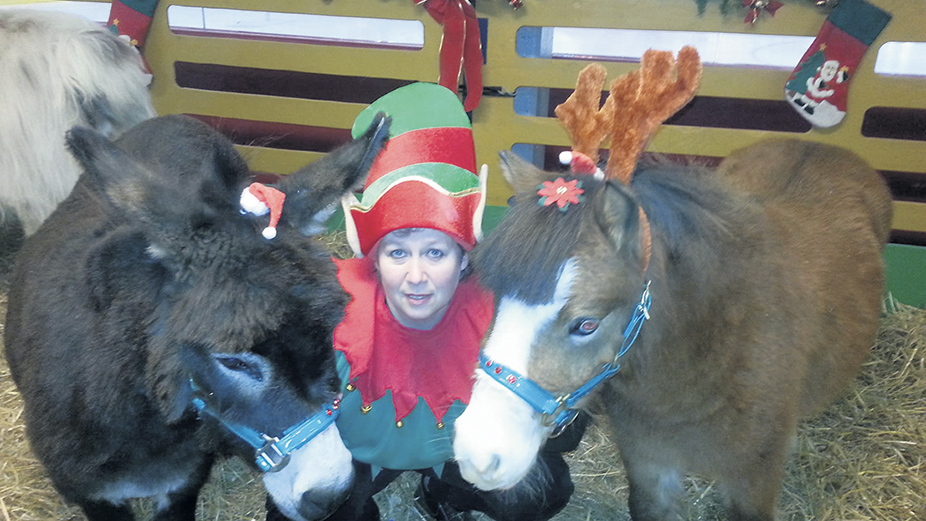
(409, 342)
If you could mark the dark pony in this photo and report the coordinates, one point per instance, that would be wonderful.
(152, 328)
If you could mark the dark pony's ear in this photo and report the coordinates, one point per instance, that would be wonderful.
(312, 191)
(116, 175)
(98, 112)
(617, 215)
(521, 175)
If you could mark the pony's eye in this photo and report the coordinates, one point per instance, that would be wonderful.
(584, 326)
(238, 365)
(235, 364)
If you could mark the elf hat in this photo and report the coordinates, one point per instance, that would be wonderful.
(425, 176)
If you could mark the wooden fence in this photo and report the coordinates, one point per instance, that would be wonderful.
(285, 100)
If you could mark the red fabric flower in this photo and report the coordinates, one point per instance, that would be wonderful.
(561, 192)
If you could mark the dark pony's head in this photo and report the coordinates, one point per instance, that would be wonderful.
(241, 322)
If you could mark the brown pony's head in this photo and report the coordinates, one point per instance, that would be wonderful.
(566, 286)
(567, 265)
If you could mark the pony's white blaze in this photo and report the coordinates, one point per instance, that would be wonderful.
(498, 436)
(322, 469)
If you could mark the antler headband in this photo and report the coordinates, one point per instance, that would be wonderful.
(639, 102)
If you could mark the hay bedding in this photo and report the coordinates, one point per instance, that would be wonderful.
(863, 459)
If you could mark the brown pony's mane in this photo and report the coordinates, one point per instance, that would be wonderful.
(523, 256)
(686, 206)
(689, 212)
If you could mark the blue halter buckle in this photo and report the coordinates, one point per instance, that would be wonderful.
(559, 412)
(272, 453)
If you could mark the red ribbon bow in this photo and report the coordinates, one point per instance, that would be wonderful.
(461, 47)
(757, 5)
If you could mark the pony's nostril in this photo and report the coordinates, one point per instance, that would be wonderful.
(494, 462)
(320, 504)
(486, 466)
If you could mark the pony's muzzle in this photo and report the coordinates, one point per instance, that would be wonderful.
(482, 470)
(320, 504)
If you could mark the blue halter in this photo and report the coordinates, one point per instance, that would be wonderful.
(560, 411)
(272, 453)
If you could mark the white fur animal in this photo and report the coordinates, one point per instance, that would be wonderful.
(57, 71)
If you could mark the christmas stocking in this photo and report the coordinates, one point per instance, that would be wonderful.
(818, 87)
(131, 19)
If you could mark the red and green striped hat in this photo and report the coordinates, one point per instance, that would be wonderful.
(425, 176)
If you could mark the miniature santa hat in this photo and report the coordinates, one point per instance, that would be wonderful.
(425, 176)
(580, 163)
(259, 199)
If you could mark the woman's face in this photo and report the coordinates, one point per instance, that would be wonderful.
(419, 269)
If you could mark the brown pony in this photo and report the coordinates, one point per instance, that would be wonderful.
(752, 292)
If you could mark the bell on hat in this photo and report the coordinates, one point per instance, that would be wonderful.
(425, 176)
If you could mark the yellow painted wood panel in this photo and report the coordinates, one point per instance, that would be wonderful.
(496, 127)
(273, 161)
(909, 216)
(261, 108)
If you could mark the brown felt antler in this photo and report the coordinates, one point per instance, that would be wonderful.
(639, 102)
(643, 99)
(579, 114)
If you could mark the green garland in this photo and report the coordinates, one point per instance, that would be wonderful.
(726, 4)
